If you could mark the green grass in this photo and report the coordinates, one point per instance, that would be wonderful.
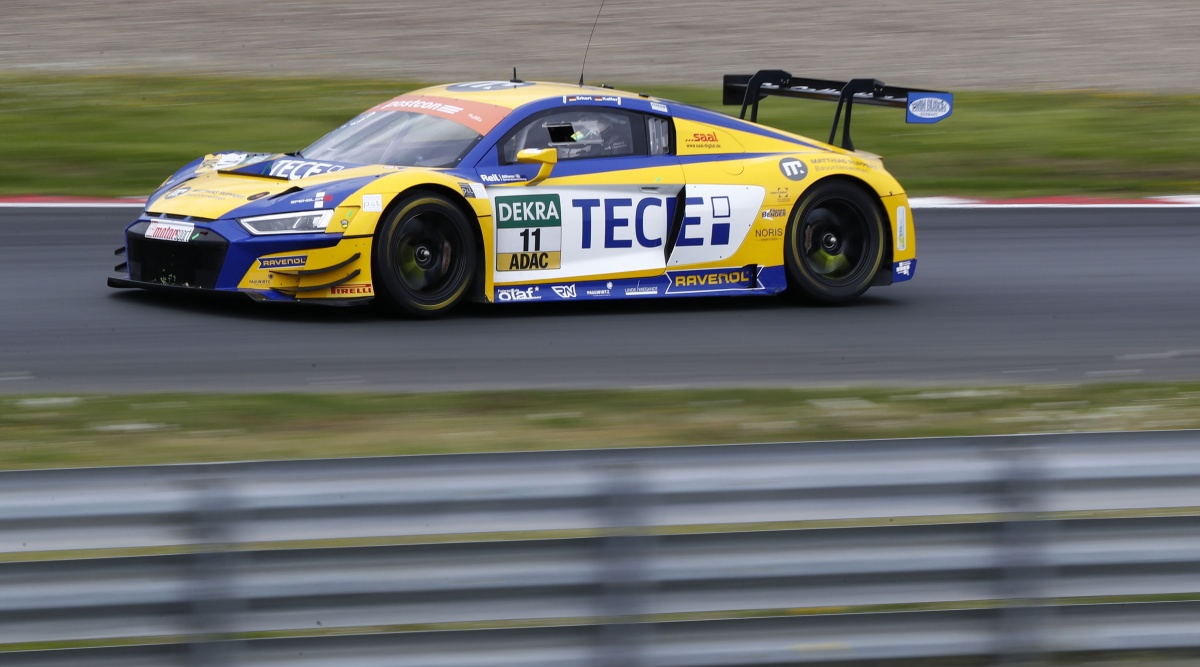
(122, 135)
(70, 431)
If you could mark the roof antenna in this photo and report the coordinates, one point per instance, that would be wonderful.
(589, 42)
(515, 79)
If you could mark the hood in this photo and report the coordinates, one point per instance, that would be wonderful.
(242, 184)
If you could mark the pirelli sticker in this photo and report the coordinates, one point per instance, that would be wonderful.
(528, 232)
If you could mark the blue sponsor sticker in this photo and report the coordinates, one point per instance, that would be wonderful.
(290, 262)
(904, 270)
(713, 280)
(929, 107)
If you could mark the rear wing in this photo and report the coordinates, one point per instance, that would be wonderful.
(924, 106)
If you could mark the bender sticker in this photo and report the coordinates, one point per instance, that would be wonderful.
(528, 232)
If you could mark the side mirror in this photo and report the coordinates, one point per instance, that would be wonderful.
(547, 157)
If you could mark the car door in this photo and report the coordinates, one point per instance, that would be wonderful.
(604, 211)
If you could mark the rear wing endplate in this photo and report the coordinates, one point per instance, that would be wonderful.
(924, 106)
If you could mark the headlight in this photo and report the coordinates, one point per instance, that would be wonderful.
(307, 222)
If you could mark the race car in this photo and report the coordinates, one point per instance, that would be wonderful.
(518, 191)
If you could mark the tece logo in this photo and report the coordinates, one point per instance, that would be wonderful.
(793, 169)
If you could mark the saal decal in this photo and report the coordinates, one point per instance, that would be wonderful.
(705, 140)
(528, 232)
(713, 280)
(793, 169)
(289, 262)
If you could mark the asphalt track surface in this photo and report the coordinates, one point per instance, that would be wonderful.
(1001, 296)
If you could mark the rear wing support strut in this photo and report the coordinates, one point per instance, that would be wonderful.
(924, 106)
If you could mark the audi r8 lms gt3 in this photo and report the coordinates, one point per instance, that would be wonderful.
(508, 191)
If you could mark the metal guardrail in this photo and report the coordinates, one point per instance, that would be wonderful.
(1008, 543)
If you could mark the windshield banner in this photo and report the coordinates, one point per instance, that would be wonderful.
(475, 115)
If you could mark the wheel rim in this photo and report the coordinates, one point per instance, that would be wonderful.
(835, 241)
(428, 256)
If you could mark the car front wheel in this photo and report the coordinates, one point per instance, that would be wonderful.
(425, 255)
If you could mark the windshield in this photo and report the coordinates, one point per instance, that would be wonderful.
(399, 138)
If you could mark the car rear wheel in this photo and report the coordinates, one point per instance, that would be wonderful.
(424, 255)
(834, 243)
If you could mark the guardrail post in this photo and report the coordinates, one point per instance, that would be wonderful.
(1024, 538)
(213, 564)
(625, 549)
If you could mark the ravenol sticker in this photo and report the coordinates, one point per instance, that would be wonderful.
(290, 262)
(713, 280)
(929, 107)
(528, 232)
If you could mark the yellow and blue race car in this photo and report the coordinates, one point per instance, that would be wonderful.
(514, 191)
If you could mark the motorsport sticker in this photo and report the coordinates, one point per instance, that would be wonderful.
(772, 213)
(177, 192)
(659, 107)
(162, 230)
(290, 262)
(794, 169)
(528, 232)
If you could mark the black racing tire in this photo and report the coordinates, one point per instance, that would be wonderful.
(424, 256)
(834, 243)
